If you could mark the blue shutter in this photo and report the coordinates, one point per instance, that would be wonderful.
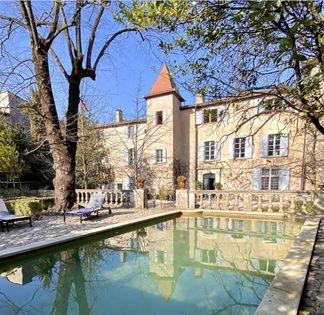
(264, 146)
(201, 152)
(256, 179)
(217, 150)
(248, 146)
(284, 179)
(199, 117)
(284, 144)
(230, 148)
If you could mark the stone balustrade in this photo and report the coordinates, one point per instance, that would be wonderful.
(113, 197)
(258, 201)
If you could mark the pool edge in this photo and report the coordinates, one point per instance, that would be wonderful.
(284, 294)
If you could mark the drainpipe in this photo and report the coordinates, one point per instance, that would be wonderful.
(303, 172)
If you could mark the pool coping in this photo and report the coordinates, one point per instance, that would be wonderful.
(285, 291)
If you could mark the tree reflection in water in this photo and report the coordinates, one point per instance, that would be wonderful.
(195, 265)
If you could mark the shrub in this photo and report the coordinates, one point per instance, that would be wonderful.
(199, 185)
(30, 206)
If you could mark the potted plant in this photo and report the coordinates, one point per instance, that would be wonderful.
(218, 186)
(140, 182)
(199, 185)
(182, 181)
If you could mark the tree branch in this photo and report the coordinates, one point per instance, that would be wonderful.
(109, 41)
(59, 63)
(93, 33)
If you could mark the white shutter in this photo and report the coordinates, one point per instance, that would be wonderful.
(126, 131)
(256, 179)
(126, 183)
(199, 117)
(215, 223)
(264, 146)
(154, 156)
(201, 152)
(164, 155)
(164, 116)
(284, 179)
(217, 150)
(284, 144)
(248, 146)
(154, 119)
(126, 157)
(230, 148)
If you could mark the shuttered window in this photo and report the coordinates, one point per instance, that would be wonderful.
(239, 148)
(209, 153)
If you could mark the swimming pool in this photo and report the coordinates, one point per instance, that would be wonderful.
(186, 265)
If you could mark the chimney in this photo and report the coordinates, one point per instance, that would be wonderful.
(200, 98)
(119, 115)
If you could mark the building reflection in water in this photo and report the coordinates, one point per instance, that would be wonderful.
(203, 244)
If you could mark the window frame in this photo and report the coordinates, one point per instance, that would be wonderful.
(269, 181)
(209, 150)
(159, 117)
(129, 133)
(131, 156)
(239, 148)
(159, 156)
(274, 149)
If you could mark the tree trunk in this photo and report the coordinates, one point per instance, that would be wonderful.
(63, 152)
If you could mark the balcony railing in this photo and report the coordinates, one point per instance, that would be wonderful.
(113, 197)
(258, 201)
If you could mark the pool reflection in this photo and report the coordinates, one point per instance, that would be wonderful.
(185, 265)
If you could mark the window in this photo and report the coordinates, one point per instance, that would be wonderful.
(131, 156)
(132, 182)
(239, 148)
(209, 152)
(159, 118)
(270, 178)
(160, 156)
(274, 145)
(131, 131)
(210, 115)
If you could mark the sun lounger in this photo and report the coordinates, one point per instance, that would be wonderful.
(6, 217)
(94, 206)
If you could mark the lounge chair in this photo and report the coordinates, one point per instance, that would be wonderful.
(6, 217)
(94, 206)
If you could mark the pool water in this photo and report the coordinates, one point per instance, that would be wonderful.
(187, 265)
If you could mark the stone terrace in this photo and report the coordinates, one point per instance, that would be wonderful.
(50, 226)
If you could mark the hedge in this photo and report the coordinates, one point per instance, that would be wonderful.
(31, 206)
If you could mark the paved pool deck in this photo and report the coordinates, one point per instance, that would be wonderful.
(52, 229)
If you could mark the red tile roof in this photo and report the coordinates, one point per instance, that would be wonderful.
(164, 84)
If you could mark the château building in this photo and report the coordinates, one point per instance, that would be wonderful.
(232, 143)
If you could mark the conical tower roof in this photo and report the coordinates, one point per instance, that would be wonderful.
(163, 85)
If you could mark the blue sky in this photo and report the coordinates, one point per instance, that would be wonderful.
(124, 76)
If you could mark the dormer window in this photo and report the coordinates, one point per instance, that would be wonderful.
(210, 115)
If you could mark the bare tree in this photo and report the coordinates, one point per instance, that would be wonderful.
(77, 23)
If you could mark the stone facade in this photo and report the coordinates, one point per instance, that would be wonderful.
(11, 110)
(234, 143)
